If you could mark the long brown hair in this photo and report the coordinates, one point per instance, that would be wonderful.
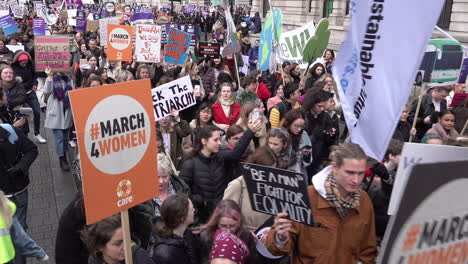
(174, 211)
(96, 236)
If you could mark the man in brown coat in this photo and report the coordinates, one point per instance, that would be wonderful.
(344, 229)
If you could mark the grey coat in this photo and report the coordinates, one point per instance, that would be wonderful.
(55, 117)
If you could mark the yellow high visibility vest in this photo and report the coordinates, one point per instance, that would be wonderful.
(7, 249)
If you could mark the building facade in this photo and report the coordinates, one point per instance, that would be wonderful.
(453, 18)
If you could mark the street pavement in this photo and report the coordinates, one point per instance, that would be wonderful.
(50, 191)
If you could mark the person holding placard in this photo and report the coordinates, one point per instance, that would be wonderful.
(238, 192)
(205, 173)
(344, 228)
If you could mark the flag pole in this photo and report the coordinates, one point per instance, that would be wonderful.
(464, 128)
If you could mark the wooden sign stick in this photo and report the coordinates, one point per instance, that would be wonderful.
(464, 128)
(126, 237)
(416, 114)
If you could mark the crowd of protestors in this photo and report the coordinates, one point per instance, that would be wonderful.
(288, 119)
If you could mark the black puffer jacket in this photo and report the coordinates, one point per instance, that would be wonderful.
(176, 250)
(207, 176)
(427, 109)
(17, 153)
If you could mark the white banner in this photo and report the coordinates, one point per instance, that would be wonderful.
(176, 95)
(4, 9)
(413, 154)
(377, 64)
(293, 42)
(103, 28)
(148, 43)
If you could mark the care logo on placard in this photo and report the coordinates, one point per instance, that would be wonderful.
(124, 189)
(119, 38)
(117, 134)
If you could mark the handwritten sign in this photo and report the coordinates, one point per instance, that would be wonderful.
(176, 95)
(207, 49)
(53, 52)
(272, 191)
(4, 9)
(178, 44)
(8, 25)
(103, 28)
(38, 27)
(148, 43)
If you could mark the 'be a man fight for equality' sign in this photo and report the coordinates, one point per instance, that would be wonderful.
(272, 191)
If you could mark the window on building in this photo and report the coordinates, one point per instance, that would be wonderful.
(207, 2)
(347, 7)
(250, 2)
(327, 8)
(310, 6)
(444, 19)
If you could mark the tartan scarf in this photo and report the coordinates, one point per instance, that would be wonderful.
(342, 204)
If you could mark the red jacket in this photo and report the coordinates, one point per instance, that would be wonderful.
(220, 118)
(263, 92)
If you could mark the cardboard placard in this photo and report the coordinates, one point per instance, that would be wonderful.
(162, 19)
(117, 146)
(177, 95)
(53, 52)
(430, 226)
(272, 191)
(92, 25)
(207, 49)
(458, 99)
(148, 43)
(8, 25)
(178, 44)
(119, 42)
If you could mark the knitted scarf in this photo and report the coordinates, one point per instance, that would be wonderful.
(62, 83)
(342, 204)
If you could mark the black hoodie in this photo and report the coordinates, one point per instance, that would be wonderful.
(28, 74)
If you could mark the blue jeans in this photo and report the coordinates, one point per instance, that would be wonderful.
(24, 245)
(21, 202)
(61, 141)
(33, 102)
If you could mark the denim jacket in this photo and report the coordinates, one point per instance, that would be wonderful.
(24, 245)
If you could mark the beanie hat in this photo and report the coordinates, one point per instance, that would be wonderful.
(228, 246)
(23, 57)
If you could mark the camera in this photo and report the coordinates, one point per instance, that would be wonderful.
(22, 112)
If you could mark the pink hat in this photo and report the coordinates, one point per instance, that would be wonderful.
(23, 57)
(228, 246)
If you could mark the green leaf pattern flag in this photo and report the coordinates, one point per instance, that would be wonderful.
(318, 43)
(271, 31)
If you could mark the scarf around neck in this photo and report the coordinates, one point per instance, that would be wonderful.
(7, 85)
(62, 83)
(226, 102)
(333, 196)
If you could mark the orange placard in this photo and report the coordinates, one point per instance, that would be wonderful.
(119, 42)
(117, 142)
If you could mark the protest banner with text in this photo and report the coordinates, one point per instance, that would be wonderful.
(103, 28)
(207, 49)
(39, 27)
(119, 42)
(272, 191)
(148, 43)
(7, 23)
(117, 146)
(53, 52)
(431, 225)
(177, 46)
(177, 95)
(372, 103)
